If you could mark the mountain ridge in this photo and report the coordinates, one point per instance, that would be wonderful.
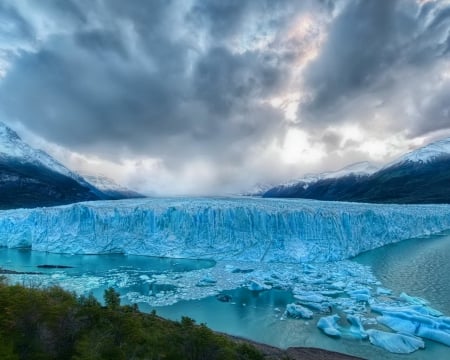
(31, 178)
(111, 188)
(420, 176)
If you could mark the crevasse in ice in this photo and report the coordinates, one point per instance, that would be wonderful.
(221, 229)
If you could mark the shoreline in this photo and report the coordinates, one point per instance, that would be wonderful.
(269, 352)
(293, 353)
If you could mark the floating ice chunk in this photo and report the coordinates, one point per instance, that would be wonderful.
(206, 281)
(323, 307)
(437, 335)
(420, 309)
(209, 279)
(398, 324)
(360, 294)
(338, 285)
(418, 320)
(415, 323)
(309, 296)
(395, 343)
(413, 300)
(356, 329)
(383, 291)
(431, 311)
(257, 286)
(329, 325)
(317, 298)
(331, 292)
(298, 312)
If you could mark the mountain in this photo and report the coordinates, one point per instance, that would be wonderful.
(109, 187)
(421, 176)
(31, 178)
(325, 186)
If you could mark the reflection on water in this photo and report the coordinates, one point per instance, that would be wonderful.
(28, 261)
(418, 266)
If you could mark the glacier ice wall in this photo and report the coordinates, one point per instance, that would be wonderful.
(222, 229)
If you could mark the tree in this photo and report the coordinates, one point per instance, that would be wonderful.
(112, 298)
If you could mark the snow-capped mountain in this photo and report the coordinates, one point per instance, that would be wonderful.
(30, 177)
(13, 148)
(363, 168)
(429, 153)
(109, 187)
(420, 176)
(310, 185)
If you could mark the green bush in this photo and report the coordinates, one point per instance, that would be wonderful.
(55, 324)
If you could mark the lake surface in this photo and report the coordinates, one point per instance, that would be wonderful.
(420, 267)
(417, 266)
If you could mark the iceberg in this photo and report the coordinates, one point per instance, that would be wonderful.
(414, 323)
(297, 311)
(245, 229)
(257, 286)
(395, 343)
(330, 326)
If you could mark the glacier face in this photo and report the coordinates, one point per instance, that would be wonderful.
(222, 229)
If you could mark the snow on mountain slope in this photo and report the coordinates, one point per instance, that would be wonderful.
(222, 229)
(364, 168)
(104, 183)
(359, 169)
(110, 187)
(257, 190)
(425, 154)
(12, 147)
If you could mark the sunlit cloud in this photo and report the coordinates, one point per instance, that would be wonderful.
(298, 148)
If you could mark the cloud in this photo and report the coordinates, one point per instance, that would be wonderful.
(210, 87)
(374, 50)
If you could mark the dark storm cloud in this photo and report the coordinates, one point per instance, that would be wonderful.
(222, 18)
(435, 108)
(368, 46)
(14, 29)
(360, 46)
(236, 78)
(126, 78)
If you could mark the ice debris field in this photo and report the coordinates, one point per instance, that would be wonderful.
(296, 245)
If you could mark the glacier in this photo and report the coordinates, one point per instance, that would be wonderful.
(244, 229)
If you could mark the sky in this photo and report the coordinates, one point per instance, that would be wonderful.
(214, 96)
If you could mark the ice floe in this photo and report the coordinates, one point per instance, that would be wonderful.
(297, 311)
(395, 343)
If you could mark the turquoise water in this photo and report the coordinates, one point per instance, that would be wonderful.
(417, 266)
(420, 267)
(28, 261)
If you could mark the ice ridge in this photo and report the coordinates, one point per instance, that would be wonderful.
(246, 229)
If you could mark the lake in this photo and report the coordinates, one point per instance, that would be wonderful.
(182, 287)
